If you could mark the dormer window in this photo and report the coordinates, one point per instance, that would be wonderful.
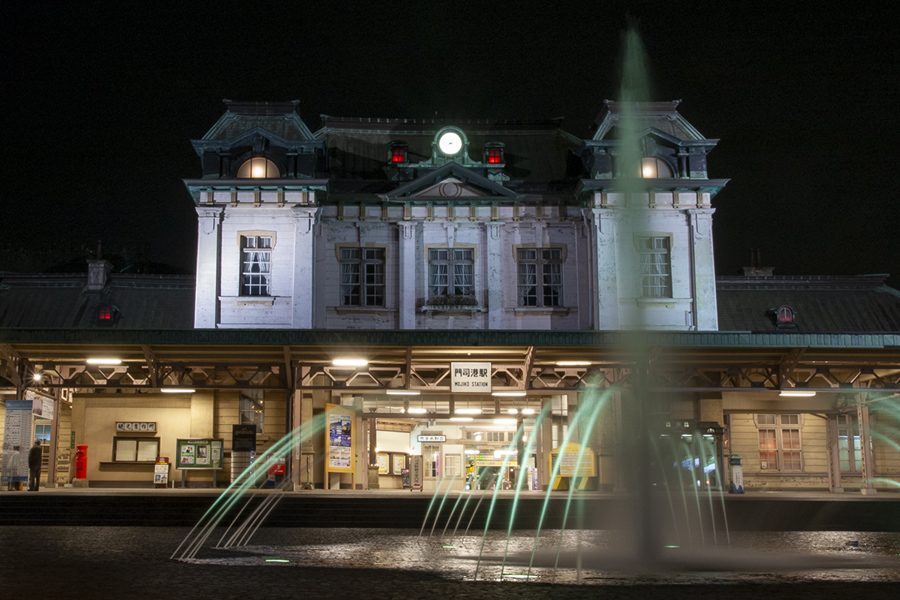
(258, 167)
(654, 168)
(785, 317)
(398, 152)
(493, 154)
(107, 315)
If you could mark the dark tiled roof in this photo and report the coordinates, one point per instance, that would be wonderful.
(533, 150)
(822, 304)
(661, 116)
(63, 301)
(279, 118)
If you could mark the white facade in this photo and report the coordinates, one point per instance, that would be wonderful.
(449, 242)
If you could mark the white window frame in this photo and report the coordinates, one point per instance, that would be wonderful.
(850, 450)
(539, 277)
(655, 265)
(362, 273)
(784, 442)
(451, 274)
(252, 408)
(256, 265)
(141, 446)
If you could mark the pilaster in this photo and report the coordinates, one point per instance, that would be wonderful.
(407, 265)
(209, 252)
(495, 274)
(703, 269)
(606, 301)
(304, 267)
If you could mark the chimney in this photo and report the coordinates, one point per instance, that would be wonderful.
(98, 271)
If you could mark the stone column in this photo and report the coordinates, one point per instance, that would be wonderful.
(703, 269)
(209, 252)
(606, 302)
(494, 274)
(406, 295)
(304, 267)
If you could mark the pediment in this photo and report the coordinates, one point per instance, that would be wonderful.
(451, 181)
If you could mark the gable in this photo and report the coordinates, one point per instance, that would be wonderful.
(451, 181)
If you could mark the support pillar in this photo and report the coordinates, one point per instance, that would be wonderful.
(865, 440)
(833, 454)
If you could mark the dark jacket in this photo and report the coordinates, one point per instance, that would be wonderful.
(34, 457)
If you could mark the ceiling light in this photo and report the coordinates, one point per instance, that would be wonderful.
(468, 411)
(403, 392)
(37, 376)
(104, 361)
(349, 362)
(177, 390)
(504, 421)
(509, 394)
(797, 393)
(462, 419)
(512, 411)
(527, 411)
(573, 363)
(417, 411)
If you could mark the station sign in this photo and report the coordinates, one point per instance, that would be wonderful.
(432, 438)
(470, 377)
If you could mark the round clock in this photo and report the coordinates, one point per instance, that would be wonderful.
(450, 143)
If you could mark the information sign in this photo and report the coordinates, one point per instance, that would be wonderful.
(16, 441)
(202, 453)
(340, 439)
(416, 473)
(470, 377)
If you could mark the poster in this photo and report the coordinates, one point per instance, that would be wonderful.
(201, 453)
(340, 439)
(399, 463)
(16, 441)
(384, 464)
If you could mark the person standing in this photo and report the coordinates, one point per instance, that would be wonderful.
(34, 466)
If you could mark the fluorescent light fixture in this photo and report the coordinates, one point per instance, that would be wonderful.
(104, 361)
(797, 393)
(349, 362)
(509, 394)
(573, 363)
(527, 411)
(512, 411)
(7, 392)
(504, 421)
(462, 419)
(417, 411)
(403, 392)
(468, 411)
(177, 390)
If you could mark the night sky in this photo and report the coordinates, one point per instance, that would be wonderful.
(100, 102)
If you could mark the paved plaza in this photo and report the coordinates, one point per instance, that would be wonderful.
(125, 563)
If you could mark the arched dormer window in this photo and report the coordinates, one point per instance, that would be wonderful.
(654, 168)
(258, 167)
(785, 317)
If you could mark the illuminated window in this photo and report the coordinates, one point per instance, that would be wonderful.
(362, 276)
(655, 267)
(258, 167)
(398, 154)
(451, 272)
(539, 276)
(785, 317)
(256, 265)
(654, 168)
(493, 155)
(252, 410)
(779, 443)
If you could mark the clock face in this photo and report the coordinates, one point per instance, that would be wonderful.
(450, 143)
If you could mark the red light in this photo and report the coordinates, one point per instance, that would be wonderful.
(398, 155)
(494, 156)
(105, 313)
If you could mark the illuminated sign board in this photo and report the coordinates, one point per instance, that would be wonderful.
(470, 377)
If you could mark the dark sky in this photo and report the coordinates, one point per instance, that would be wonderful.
(100, 102)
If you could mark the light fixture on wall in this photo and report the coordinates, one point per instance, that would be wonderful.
(573, 363)
(403, 392)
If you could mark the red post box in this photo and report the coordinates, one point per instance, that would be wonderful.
(81, 462)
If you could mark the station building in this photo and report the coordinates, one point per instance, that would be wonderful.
(476, 275)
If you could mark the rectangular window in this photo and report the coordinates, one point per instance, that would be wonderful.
(779, 443)
(539, 276)
(252, 410)
(398, 154)
(135, 449)
(494, 156)
(256, 265)
(362, 276)
(849, 445)
(451, 272)
(655, 267)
